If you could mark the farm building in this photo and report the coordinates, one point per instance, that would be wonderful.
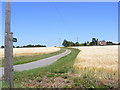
(102, 43)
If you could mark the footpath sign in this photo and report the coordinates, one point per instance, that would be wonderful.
(14, 39)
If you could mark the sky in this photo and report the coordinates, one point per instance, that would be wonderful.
(46, 23)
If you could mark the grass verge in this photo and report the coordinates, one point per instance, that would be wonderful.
(27, 59)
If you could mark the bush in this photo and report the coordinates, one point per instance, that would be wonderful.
(2, 46)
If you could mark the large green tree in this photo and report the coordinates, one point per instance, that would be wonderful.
(70, 43)
(65, 43)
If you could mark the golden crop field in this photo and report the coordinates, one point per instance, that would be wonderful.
(31, 51)
(100, 62)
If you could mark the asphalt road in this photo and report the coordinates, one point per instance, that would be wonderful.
(36, 64)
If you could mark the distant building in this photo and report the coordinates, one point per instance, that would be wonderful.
(102, 43)
(95, 42)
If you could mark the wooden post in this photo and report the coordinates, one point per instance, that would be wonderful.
(8, 59)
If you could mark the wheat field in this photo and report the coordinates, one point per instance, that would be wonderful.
(31, 51)
(100, 62)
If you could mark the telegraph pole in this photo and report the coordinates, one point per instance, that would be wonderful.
(77, 41)
(59, 42)
(8, 59)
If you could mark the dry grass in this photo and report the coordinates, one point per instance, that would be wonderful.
(31, 51)
(101, 62)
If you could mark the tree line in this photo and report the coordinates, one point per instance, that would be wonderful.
(67, 43)
(25, 46)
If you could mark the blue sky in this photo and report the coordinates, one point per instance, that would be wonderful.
(44, 23)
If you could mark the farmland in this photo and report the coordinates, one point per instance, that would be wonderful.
(25, 55)
(99, 62)
(31, 51)
(92, 67)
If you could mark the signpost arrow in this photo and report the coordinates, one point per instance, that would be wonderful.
(14, 39)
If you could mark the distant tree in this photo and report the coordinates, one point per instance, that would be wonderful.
(81, 44)
(77, 44)
(17, 46)
(34, 45)
(109, 43)
(65, 43)
(2, 46)
(71, 43)
(13, 46)
(68, 43)
(103, 40)
(85, 44)
(91, 44)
